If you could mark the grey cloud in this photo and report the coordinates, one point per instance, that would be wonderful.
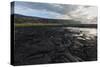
(51, 10)
(58, 8)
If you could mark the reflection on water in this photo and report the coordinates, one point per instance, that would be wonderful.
(89, 31)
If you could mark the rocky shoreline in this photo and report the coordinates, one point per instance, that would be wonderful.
(53, 45)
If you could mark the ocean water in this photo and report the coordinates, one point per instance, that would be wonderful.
(89, 31)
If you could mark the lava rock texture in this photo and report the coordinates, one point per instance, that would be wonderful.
(52, 45)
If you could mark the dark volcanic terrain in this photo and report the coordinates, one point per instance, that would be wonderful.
(52, 45)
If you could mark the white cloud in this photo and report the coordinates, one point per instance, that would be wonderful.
(84, 14)
(57, 11)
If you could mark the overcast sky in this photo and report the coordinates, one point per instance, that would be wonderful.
(56, 11)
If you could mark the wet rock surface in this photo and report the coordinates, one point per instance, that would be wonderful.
(51, 45)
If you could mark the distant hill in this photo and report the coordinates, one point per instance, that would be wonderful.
(30, 19)
(21, 20)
